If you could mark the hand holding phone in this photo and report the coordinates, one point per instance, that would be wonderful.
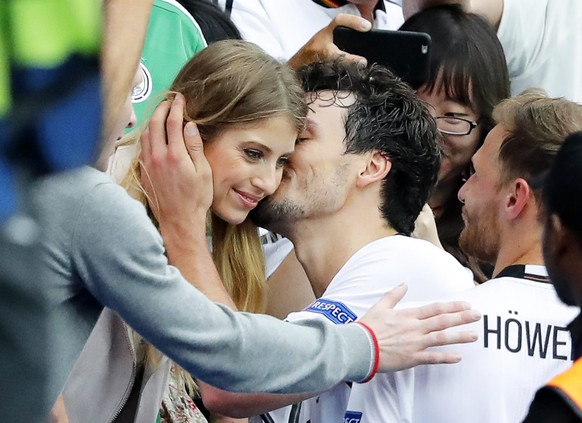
(321, 46)
(405, 53)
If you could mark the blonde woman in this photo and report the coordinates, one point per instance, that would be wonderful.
(248, 109)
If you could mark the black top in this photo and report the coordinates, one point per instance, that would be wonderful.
(552, 405)
(519, 271)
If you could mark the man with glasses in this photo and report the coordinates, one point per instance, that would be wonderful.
(523, 337)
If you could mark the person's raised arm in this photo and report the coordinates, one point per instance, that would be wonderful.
(491, 10)
(321, 47)
(178, 180)
(401, 338)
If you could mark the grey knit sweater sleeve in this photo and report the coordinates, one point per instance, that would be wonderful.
(116, 254)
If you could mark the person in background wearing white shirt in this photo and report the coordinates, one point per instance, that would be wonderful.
(542, 41)
(300, 30)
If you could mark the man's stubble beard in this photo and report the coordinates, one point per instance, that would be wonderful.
(276, 216)
(318, 196)
(478, 241)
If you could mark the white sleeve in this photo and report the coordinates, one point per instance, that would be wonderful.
(275, 251)
(353, 291)
(522, 34)
(541, 40)
(253, 22)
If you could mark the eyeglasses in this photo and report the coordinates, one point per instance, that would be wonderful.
(450, 125)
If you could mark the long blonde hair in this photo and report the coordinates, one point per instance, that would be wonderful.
(230, 84)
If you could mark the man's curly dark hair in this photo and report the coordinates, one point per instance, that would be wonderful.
(386, 116)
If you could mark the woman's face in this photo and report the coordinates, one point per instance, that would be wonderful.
(457, 149)
(247, 165)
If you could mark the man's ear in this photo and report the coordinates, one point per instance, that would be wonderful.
(378, 165)
(520, 193)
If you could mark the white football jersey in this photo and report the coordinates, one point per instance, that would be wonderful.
(374, 270)
(523, 342)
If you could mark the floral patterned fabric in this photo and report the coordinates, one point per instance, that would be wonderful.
(177, 406)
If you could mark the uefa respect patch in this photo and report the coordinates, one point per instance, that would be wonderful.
(353, 417)
(335, 311)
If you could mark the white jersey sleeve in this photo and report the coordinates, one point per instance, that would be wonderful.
(363, 280)
(542, 42)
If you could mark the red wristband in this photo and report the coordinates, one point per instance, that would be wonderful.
(376, 350)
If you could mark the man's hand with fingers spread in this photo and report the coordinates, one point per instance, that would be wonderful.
(174, 171)
(321, 47)
(403, 335)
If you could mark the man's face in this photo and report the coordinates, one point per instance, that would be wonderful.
(482, 200)
(317, 177)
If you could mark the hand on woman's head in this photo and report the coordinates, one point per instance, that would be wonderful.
(174, 171)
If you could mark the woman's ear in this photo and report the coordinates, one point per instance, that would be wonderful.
(378, 165)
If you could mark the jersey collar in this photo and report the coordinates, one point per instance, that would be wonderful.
(530, 272)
